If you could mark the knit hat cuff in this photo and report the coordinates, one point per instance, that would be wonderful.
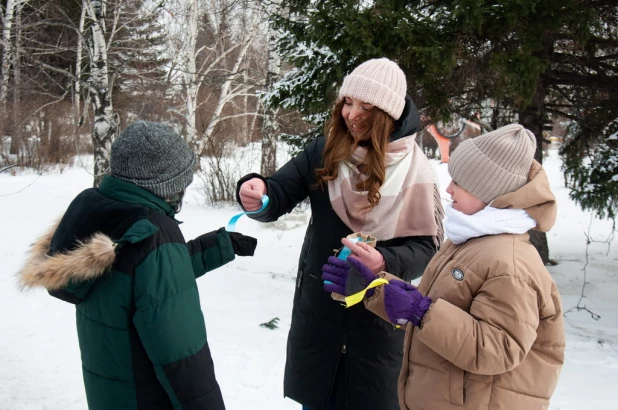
(370, 91)
(168, 187)
(470, 168)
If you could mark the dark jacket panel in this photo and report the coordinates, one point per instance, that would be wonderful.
(140, 326)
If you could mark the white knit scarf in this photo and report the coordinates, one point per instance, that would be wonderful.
(460, 227)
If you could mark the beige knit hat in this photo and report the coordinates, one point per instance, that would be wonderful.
(493, 164)
(379, 82)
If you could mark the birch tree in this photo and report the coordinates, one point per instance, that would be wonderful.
(230, 88)
(105, 124)
(7, 53)
(270, 125)
(77, 112)
(190, 75)
(11, 68)
(211, 59)
(17, 63)
(60, 60)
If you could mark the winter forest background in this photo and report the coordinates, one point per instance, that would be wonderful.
(247, 83)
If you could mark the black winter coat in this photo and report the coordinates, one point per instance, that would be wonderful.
(349, 352)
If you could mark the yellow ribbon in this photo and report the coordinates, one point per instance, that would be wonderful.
(357, 297)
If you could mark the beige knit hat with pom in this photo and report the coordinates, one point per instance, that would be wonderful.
(379, 82)
(495, 163)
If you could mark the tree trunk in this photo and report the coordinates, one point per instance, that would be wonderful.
(105, 122)
(227, 94)
(17, 70)
(190, 77)
(247, 120)
(77, 110)
(254, 119)
(7, 53)
(539, 240)
(270, 130)
(495, 113)
(270, 125)
(533, 118)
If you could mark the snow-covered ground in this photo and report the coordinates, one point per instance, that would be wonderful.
(39, 356)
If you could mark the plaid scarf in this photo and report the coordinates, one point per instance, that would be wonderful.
(410, 199)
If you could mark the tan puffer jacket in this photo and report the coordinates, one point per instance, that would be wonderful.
(494, 336)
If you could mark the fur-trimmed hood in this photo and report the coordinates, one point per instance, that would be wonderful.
(118, 256)
(88, 261)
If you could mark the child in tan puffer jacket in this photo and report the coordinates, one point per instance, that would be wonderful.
(484, 329)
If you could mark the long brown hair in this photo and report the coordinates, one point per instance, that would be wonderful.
(340, 144)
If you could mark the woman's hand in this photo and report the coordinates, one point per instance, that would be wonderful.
(369, 256)
(251, 193)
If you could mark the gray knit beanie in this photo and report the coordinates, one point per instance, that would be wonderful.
(153, 156)
(379, 82)
(495, 163)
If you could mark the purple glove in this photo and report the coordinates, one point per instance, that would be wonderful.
(404, 303)
(348, 277)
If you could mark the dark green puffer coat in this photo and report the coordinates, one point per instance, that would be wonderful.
(119, 256)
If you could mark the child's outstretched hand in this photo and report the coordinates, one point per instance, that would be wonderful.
(369, 256)
(243, 245)
(404, 303)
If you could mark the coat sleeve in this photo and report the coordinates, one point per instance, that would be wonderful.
(290, 184)
(375, 303)
(210, 251)
(407, 257)
(170, 324)
(494, 337)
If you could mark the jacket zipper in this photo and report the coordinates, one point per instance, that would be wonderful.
(300, 278)
(344, 345)
(344, 350)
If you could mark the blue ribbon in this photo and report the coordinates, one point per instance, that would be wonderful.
(231, 225)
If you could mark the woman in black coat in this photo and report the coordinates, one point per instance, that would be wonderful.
(368, 175)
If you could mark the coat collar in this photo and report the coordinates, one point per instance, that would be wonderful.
(123, 191)
(409, 123)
